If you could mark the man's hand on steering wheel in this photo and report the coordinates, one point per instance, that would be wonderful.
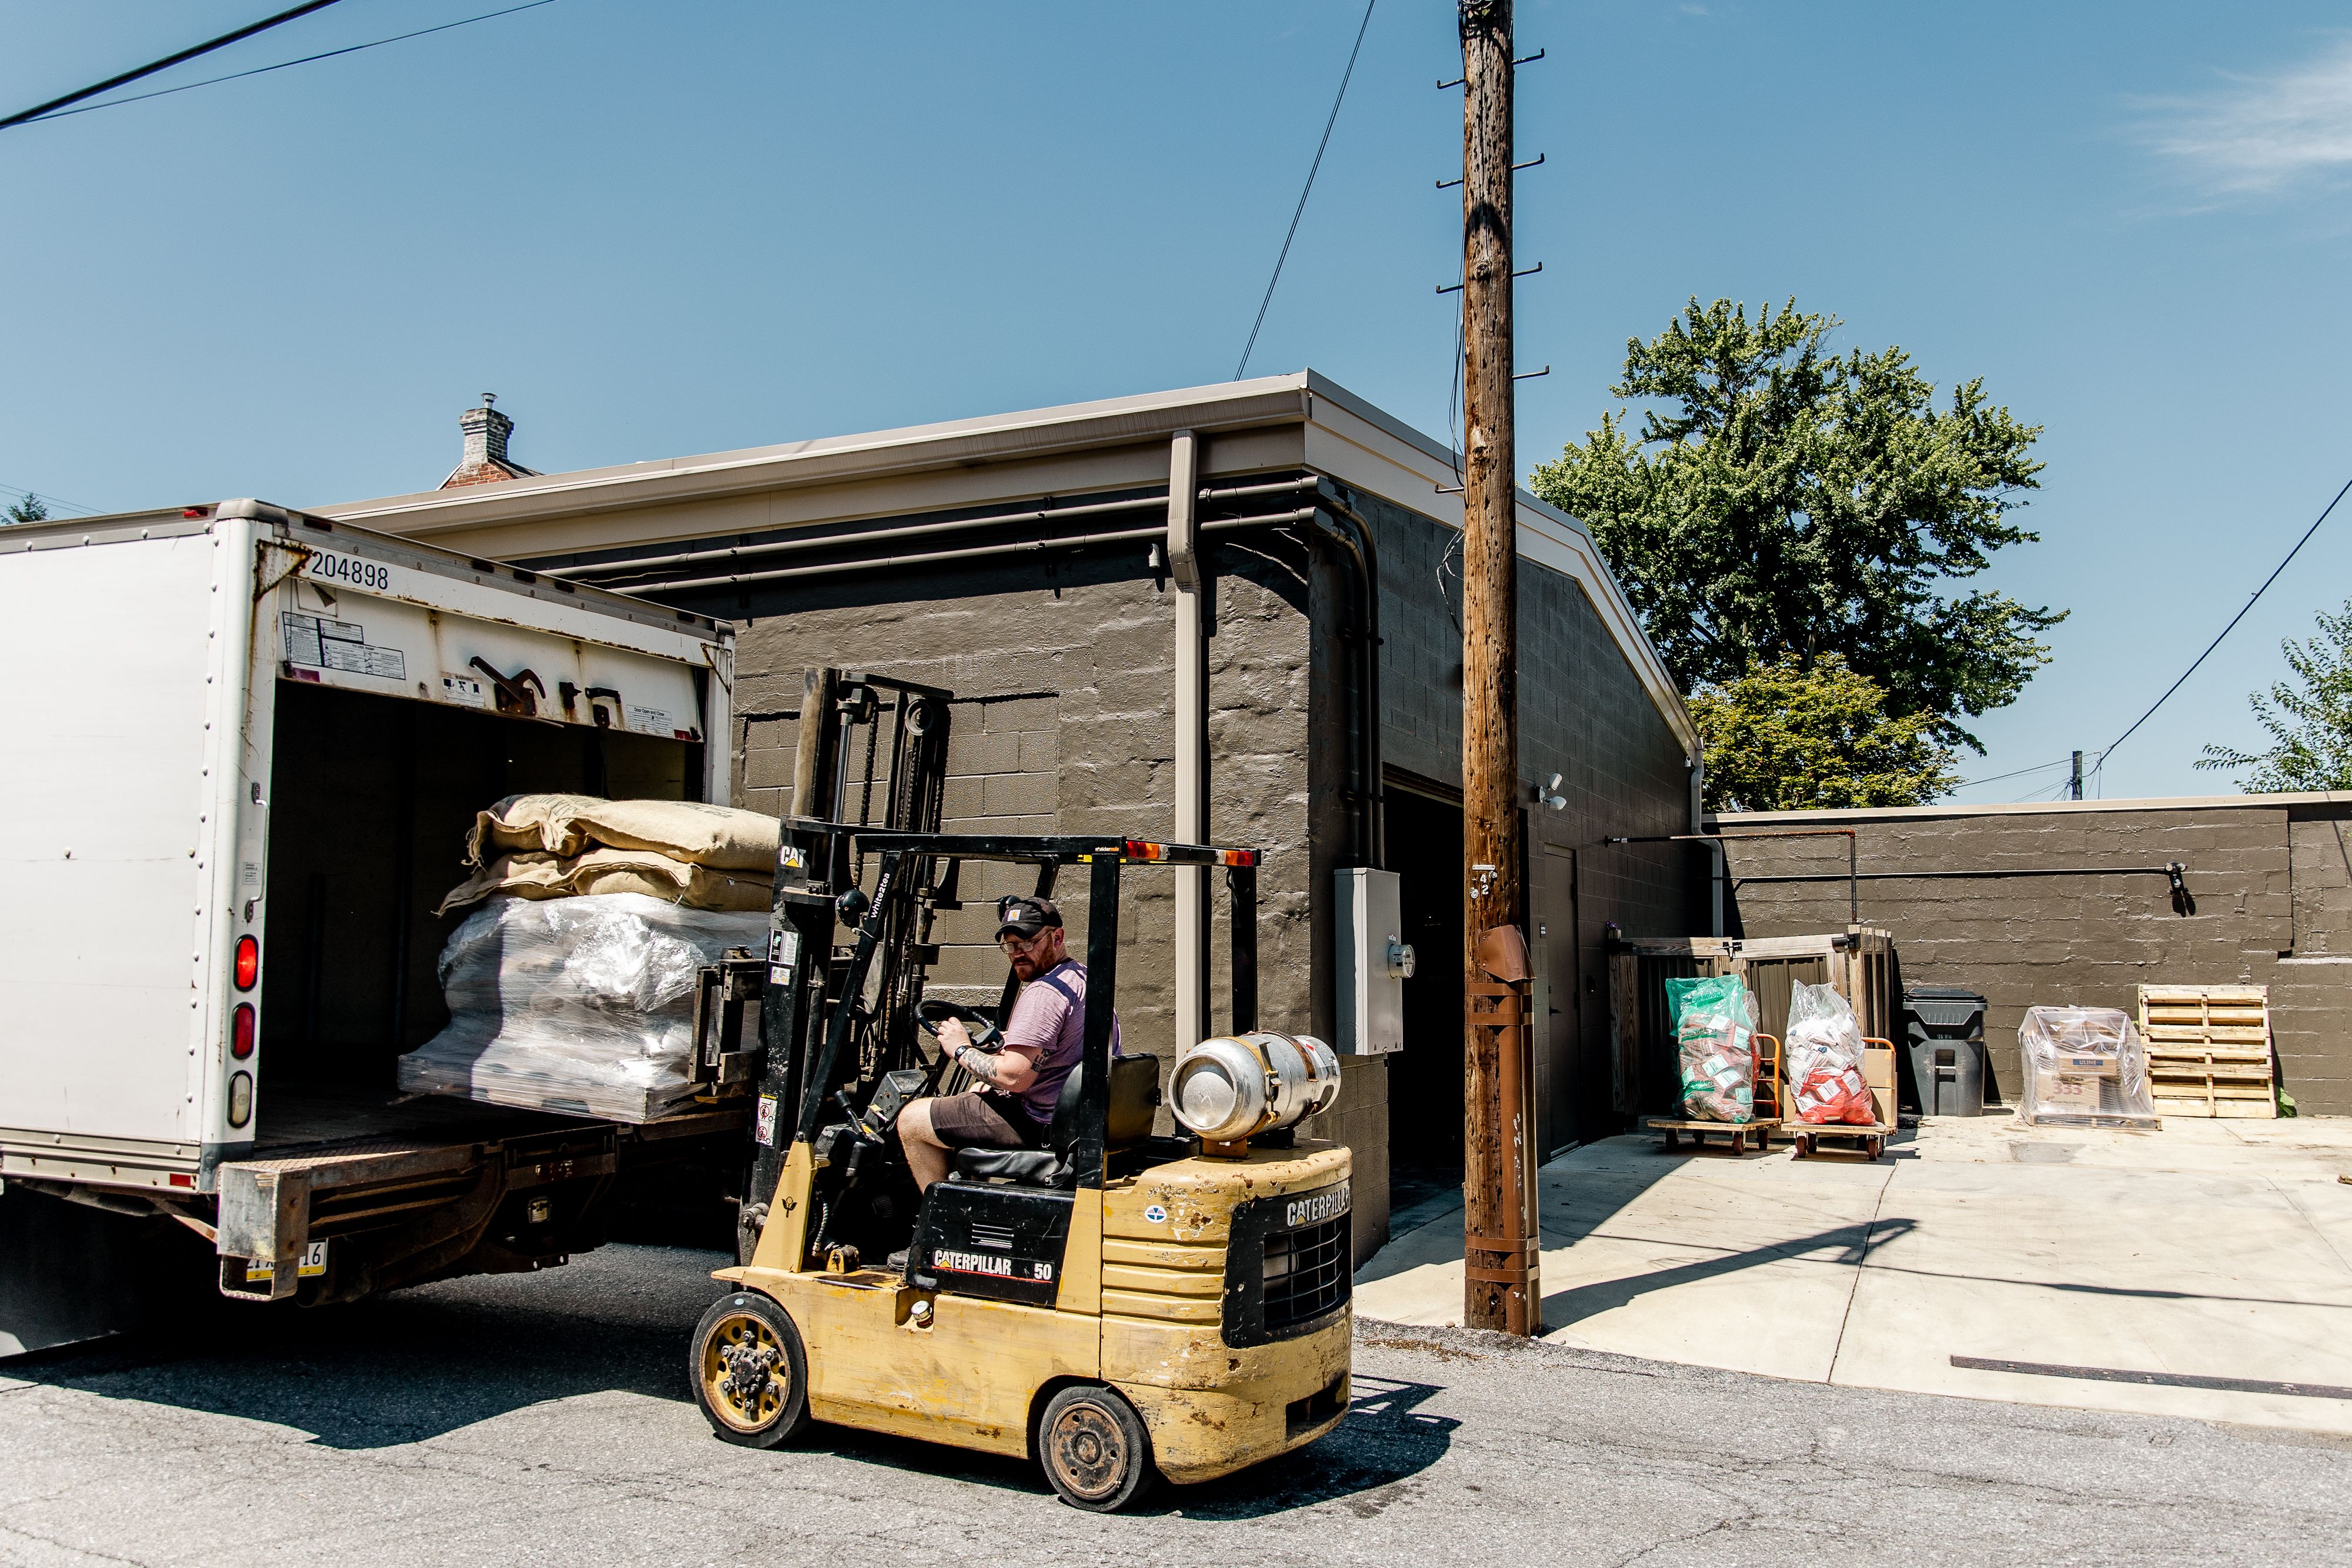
(955, 1027)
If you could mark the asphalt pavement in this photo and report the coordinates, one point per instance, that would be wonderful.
(545, 1420)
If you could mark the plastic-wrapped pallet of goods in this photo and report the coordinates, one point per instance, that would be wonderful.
(2084, 1067)
(583, 1005)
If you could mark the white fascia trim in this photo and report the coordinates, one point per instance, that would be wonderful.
(2034, 809)
(1110, 421)
(1370, 450)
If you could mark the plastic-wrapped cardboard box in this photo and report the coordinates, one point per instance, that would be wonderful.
(2084, 1067)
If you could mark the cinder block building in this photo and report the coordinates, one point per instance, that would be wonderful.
(1226, 612)
(2072, 902)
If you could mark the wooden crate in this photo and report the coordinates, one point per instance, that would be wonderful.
(2209, 1050)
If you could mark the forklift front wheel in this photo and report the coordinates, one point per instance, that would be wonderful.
(750, 1371)
(1094, 1448)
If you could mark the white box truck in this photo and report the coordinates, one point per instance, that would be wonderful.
(244, 747)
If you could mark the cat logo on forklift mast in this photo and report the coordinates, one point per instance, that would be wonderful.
(1037, 1301)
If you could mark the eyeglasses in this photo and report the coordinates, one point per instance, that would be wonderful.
(1012, 944)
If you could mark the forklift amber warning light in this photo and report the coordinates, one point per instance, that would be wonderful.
(240, 1032)
(248, 962)
(1143, 849)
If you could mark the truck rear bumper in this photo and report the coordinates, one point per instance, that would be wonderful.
(109, 1162)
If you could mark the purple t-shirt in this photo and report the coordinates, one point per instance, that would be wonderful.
(1049, 1018)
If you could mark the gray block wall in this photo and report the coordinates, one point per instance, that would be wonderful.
(1583, 714)
(1062, 671)
(2272, 884)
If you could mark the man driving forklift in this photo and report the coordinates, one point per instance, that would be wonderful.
(1015, 1087)
(1119, 1304)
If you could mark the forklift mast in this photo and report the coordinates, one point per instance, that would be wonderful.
(866, 742)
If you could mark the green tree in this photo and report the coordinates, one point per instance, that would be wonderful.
(1789, 736)
(29, 510)
(2309, 717)
(1780, 501)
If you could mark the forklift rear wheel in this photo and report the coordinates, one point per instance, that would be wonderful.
(1094, 1448)
(751, 1374)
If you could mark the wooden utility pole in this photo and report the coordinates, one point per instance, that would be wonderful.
(1502, 1291)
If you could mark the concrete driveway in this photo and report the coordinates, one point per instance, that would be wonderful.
(2215, 1256)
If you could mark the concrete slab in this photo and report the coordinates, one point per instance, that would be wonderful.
(2210, 1249)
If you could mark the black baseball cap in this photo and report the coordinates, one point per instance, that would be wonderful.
(1024, 917)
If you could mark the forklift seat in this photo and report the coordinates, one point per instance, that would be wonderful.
(1134, 1095)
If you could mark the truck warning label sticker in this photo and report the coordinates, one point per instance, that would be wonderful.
(320, 643)
(465, 690)
(765, 1129)
(650, 721)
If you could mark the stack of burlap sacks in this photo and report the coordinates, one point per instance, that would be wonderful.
(681, 852)
(570, 987)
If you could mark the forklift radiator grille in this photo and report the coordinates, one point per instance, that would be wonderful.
(1307, 1273)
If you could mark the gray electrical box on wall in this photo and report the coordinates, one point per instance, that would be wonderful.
(1373, 961)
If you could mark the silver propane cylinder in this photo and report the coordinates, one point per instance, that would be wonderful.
(1236, 1086)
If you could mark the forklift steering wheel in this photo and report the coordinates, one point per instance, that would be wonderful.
(985, 1036)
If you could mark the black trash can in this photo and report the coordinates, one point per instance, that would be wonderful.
(1946, 1026)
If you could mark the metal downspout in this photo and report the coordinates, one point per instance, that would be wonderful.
(1341, 524)
(1192, 660)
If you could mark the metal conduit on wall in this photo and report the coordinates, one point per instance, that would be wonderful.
(643, 564)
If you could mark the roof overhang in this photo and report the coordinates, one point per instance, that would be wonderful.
(1299, 420)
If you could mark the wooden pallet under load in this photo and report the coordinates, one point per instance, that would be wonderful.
(2209, 1050)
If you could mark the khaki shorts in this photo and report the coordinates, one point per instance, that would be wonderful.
(982, 1121)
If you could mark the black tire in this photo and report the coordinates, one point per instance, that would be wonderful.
(750, 1371)
(1094, 1450)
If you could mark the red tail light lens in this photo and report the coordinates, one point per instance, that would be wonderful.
(248, 962)
(240, 1032)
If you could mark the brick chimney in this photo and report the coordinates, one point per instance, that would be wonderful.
(485, 460)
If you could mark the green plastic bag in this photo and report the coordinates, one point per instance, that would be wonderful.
(1714, 1047)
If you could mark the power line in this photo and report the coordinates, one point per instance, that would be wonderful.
(46, 499)
(306, 59)
(2216, 643)
(111, 83)
(1997, 778)
(1311, 170)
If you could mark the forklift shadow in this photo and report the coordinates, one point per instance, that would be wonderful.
(408, 1366)
(1383, 1441)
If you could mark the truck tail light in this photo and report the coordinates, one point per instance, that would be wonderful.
(248, 962)
(240, 1099)
(240, 1032)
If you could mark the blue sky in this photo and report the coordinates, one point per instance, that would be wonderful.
(657, 229)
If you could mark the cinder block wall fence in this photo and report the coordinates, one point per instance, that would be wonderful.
(2270, 876)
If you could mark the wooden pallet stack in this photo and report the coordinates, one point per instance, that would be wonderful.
(2209, 1050)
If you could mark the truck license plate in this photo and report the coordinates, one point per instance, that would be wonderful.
(313, 1262)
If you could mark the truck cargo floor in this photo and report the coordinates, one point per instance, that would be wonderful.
(309, 1115)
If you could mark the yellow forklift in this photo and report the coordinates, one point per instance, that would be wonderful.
(1119, 1305)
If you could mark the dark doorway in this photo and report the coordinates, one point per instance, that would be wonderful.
(1423, 844)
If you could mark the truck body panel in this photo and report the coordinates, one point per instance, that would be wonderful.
(234, 724)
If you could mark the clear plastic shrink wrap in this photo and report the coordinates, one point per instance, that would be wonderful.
(1824, 1044)
(583, 1005)
(1714, 1046)
(2084, 1067)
